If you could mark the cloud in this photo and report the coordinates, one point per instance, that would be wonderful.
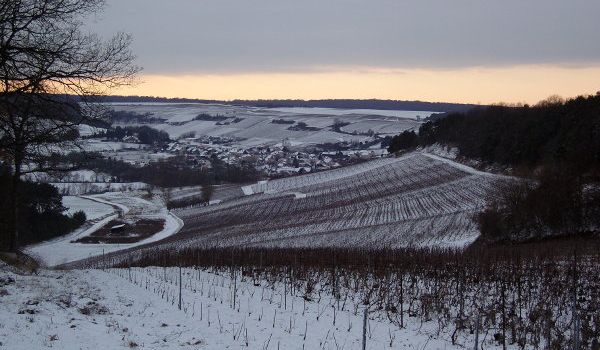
(261, 36)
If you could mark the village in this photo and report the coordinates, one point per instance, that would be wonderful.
(277, 160)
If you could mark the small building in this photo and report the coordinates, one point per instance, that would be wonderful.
(117, 228)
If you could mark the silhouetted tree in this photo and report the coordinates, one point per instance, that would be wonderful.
(45, 54)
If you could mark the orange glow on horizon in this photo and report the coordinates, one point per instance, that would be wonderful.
(527, 84)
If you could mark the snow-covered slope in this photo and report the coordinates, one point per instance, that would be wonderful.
(414, 200)
(139, 308)
(256, 127)
(88, 309)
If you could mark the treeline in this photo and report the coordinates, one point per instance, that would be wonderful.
(145, 134)
(557, 203)
(360, 104)
(40, 211)
(552, 132)
(555, 144)
(134, 99)
(134, 117)
(171, 172)
(325, 103)
(209, 117)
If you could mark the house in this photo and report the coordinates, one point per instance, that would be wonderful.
(131, 139)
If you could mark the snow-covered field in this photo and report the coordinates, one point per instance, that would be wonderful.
(344, 111)
(70, 176)
(126, 205)
(87, 130)
(93, 210)
(257, 128)
(89, 309)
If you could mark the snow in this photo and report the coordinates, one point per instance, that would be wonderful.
(121, 314)
(247, 190)
(343, 111)
(257, 128)
(62, 250)
(94, 145)
(93, 209)
(413, 200)
(71, 176)
(121, 308)
(122, 208)
(460, 166)
(285, 184)
(88, 130)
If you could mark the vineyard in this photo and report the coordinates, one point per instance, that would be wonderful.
(414, 200)
(543, 296)
(364, 257)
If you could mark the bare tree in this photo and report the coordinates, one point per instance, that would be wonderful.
(207, 192)
(50, 72)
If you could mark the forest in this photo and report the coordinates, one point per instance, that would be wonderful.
(554, 146)
(551, 133)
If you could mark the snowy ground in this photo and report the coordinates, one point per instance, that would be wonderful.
(256, 127)
(121, 308)
(93, 210)
(88, 309)
(344, 111)
(127, 204)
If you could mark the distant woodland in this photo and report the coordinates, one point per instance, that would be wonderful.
(328, 103)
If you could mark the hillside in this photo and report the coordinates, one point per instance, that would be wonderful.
(417, 200)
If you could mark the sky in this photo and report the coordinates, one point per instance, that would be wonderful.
(474, 51)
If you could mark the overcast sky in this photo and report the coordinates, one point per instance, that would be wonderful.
(227, 37)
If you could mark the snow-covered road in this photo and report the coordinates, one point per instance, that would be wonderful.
(62, 250)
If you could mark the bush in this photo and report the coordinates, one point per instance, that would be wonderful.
(79, 218)
(556, 204)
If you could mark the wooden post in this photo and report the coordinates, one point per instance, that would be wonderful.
(179, 287)
(476, 333)
(364, 338)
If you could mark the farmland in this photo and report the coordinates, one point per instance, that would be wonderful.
(255, 126)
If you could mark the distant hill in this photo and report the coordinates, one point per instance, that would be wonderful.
(328, 103)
